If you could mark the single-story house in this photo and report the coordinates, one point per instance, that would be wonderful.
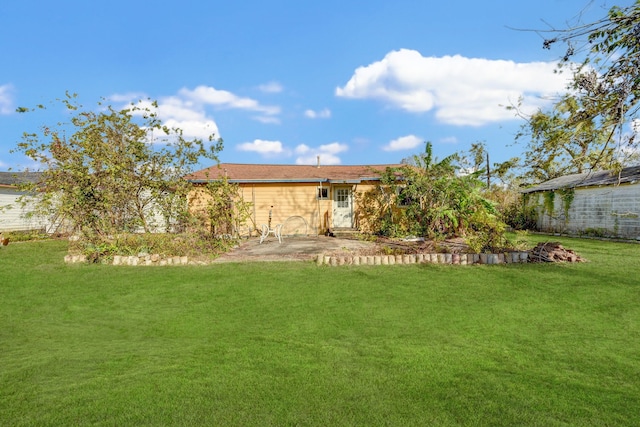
(603, 203)
(13, 215)
(314, 198)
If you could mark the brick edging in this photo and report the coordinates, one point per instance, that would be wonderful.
(140, 259)
(435, 258)
(332, 260)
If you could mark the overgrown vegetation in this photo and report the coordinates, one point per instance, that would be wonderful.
(28, 235)
(519, 214)
(430, 198)
(219, 207)
(194, 245)
(594, 125)
(567, 195)
(111, 173)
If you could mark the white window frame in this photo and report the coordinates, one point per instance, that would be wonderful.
(321, 190)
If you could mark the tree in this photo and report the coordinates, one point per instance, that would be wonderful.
(477, 160)
(115, 169)
(604, 99)
(428, 197)
(564, 140)
(220, 207)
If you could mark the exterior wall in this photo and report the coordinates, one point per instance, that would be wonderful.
(13, 217)
(300, 199)
(153, 215)
(609, 211)
(361, 189)
(287, 202)
(283, 201)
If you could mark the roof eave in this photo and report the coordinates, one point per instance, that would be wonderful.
(290, 180)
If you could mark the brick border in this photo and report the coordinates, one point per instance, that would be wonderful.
(432, 258)
(332, 260)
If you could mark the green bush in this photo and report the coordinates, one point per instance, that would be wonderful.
(26, 236)
(97, 249)
(520, 217)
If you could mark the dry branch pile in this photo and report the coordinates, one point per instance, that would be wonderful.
(553, 252)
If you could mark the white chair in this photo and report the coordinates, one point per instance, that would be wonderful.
(276, 231)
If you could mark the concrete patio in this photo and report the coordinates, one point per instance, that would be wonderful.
(299, 248)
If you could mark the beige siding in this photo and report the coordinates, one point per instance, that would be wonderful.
(287, 202)
(360, 189)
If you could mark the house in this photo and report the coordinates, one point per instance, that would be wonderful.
(306, 199)
(13, 215)
(603, 203)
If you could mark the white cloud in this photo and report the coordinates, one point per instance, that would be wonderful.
(302, 149)
(461, 91)
(271, 87)
(263, 147)
(208, 95)
(334, 148)
(403, 143)
(6, 99)
(268, 120)
(188, 110)
(202, 129)
(449, 140)
(323, 114)
(175, 112)
(327, 152)
(175, 108)
(127, 97)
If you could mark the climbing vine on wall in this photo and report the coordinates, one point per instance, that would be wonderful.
(549, 198)
(567, 195)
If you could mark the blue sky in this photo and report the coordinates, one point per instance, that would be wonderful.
(283, 81)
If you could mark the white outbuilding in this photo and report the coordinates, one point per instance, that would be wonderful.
(14, 216)
(603, 203)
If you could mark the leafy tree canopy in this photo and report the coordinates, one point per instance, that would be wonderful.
(107, 171)
(594, 126)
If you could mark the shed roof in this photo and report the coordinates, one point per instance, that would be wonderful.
(13, 179)
(239, 172)
(629, 175)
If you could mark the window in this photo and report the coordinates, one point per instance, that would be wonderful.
(323, 193)
(342, 197)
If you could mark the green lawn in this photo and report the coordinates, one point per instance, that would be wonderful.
(297, 344)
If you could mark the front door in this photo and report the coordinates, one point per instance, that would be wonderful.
(342, 207)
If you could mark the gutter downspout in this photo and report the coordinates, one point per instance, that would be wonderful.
(253, 202)
(319, 229)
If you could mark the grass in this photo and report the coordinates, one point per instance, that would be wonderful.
(295, 344)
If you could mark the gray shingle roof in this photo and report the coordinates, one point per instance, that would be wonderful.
(628, 175)
(11, 179)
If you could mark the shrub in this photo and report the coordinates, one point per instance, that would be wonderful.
(203, 244)
(25, 236)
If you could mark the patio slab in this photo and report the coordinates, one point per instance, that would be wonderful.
(291, 248)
